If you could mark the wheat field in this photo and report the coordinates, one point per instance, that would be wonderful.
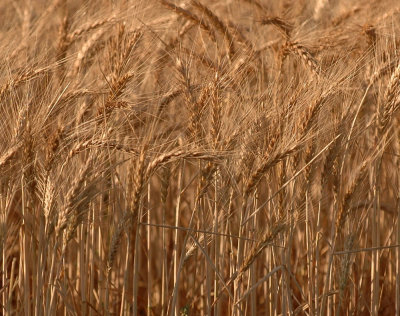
(198, 157)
